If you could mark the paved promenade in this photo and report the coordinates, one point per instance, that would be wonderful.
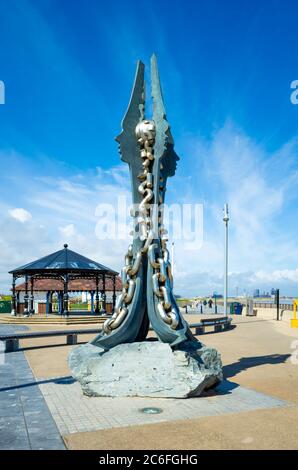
(25, 420)
(255, 408)
(74, 412)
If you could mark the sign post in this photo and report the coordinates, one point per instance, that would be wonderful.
(277, 304)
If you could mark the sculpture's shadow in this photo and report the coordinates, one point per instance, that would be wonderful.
(245, 363)
(226, 387)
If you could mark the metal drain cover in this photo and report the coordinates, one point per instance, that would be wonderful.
(151, 410)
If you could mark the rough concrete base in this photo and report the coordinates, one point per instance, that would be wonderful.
(146, 369)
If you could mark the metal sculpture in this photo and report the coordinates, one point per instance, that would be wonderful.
(147, 296)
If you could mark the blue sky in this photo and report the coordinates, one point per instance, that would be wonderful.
(226, 69)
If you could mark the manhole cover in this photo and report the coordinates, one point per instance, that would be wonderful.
(151, 410)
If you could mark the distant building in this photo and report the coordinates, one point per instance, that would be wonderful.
(215, 295)
(256, 293)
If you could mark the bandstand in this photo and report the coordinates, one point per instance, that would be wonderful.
(60, 274)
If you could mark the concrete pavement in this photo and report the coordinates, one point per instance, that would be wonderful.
(259, 359)
(25, 420)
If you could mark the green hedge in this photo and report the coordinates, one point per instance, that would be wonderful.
(5, 306)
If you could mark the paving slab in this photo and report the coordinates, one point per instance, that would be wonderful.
(74, 412)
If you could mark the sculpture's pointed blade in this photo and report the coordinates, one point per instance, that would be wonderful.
(159, 112)
(158, 104)
(135, 110)
(164, 142)
(135, 113)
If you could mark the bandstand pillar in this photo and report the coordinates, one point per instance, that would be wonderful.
(97, 297)
(92, 300)
(103, 294)
(13, 297)
(26, 297)
(60, 302)
(51, 302)
(48, 302)
(32, 311)
(18, 302)
(65, 296)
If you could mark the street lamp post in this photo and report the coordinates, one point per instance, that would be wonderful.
(226, 222)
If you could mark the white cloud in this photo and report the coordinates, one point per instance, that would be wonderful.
(283, 275)
(67, 231)
(22, 215)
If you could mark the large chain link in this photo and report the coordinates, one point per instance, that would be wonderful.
(158, 255)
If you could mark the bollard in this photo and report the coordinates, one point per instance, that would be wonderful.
(294, 320)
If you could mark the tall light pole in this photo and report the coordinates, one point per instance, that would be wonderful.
(226, 222)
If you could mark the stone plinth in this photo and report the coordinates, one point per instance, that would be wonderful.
(146, 369)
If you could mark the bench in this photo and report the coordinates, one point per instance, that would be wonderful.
(218, 323)
(12, 340)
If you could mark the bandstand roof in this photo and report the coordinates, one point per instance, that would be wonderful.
(63, 261)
